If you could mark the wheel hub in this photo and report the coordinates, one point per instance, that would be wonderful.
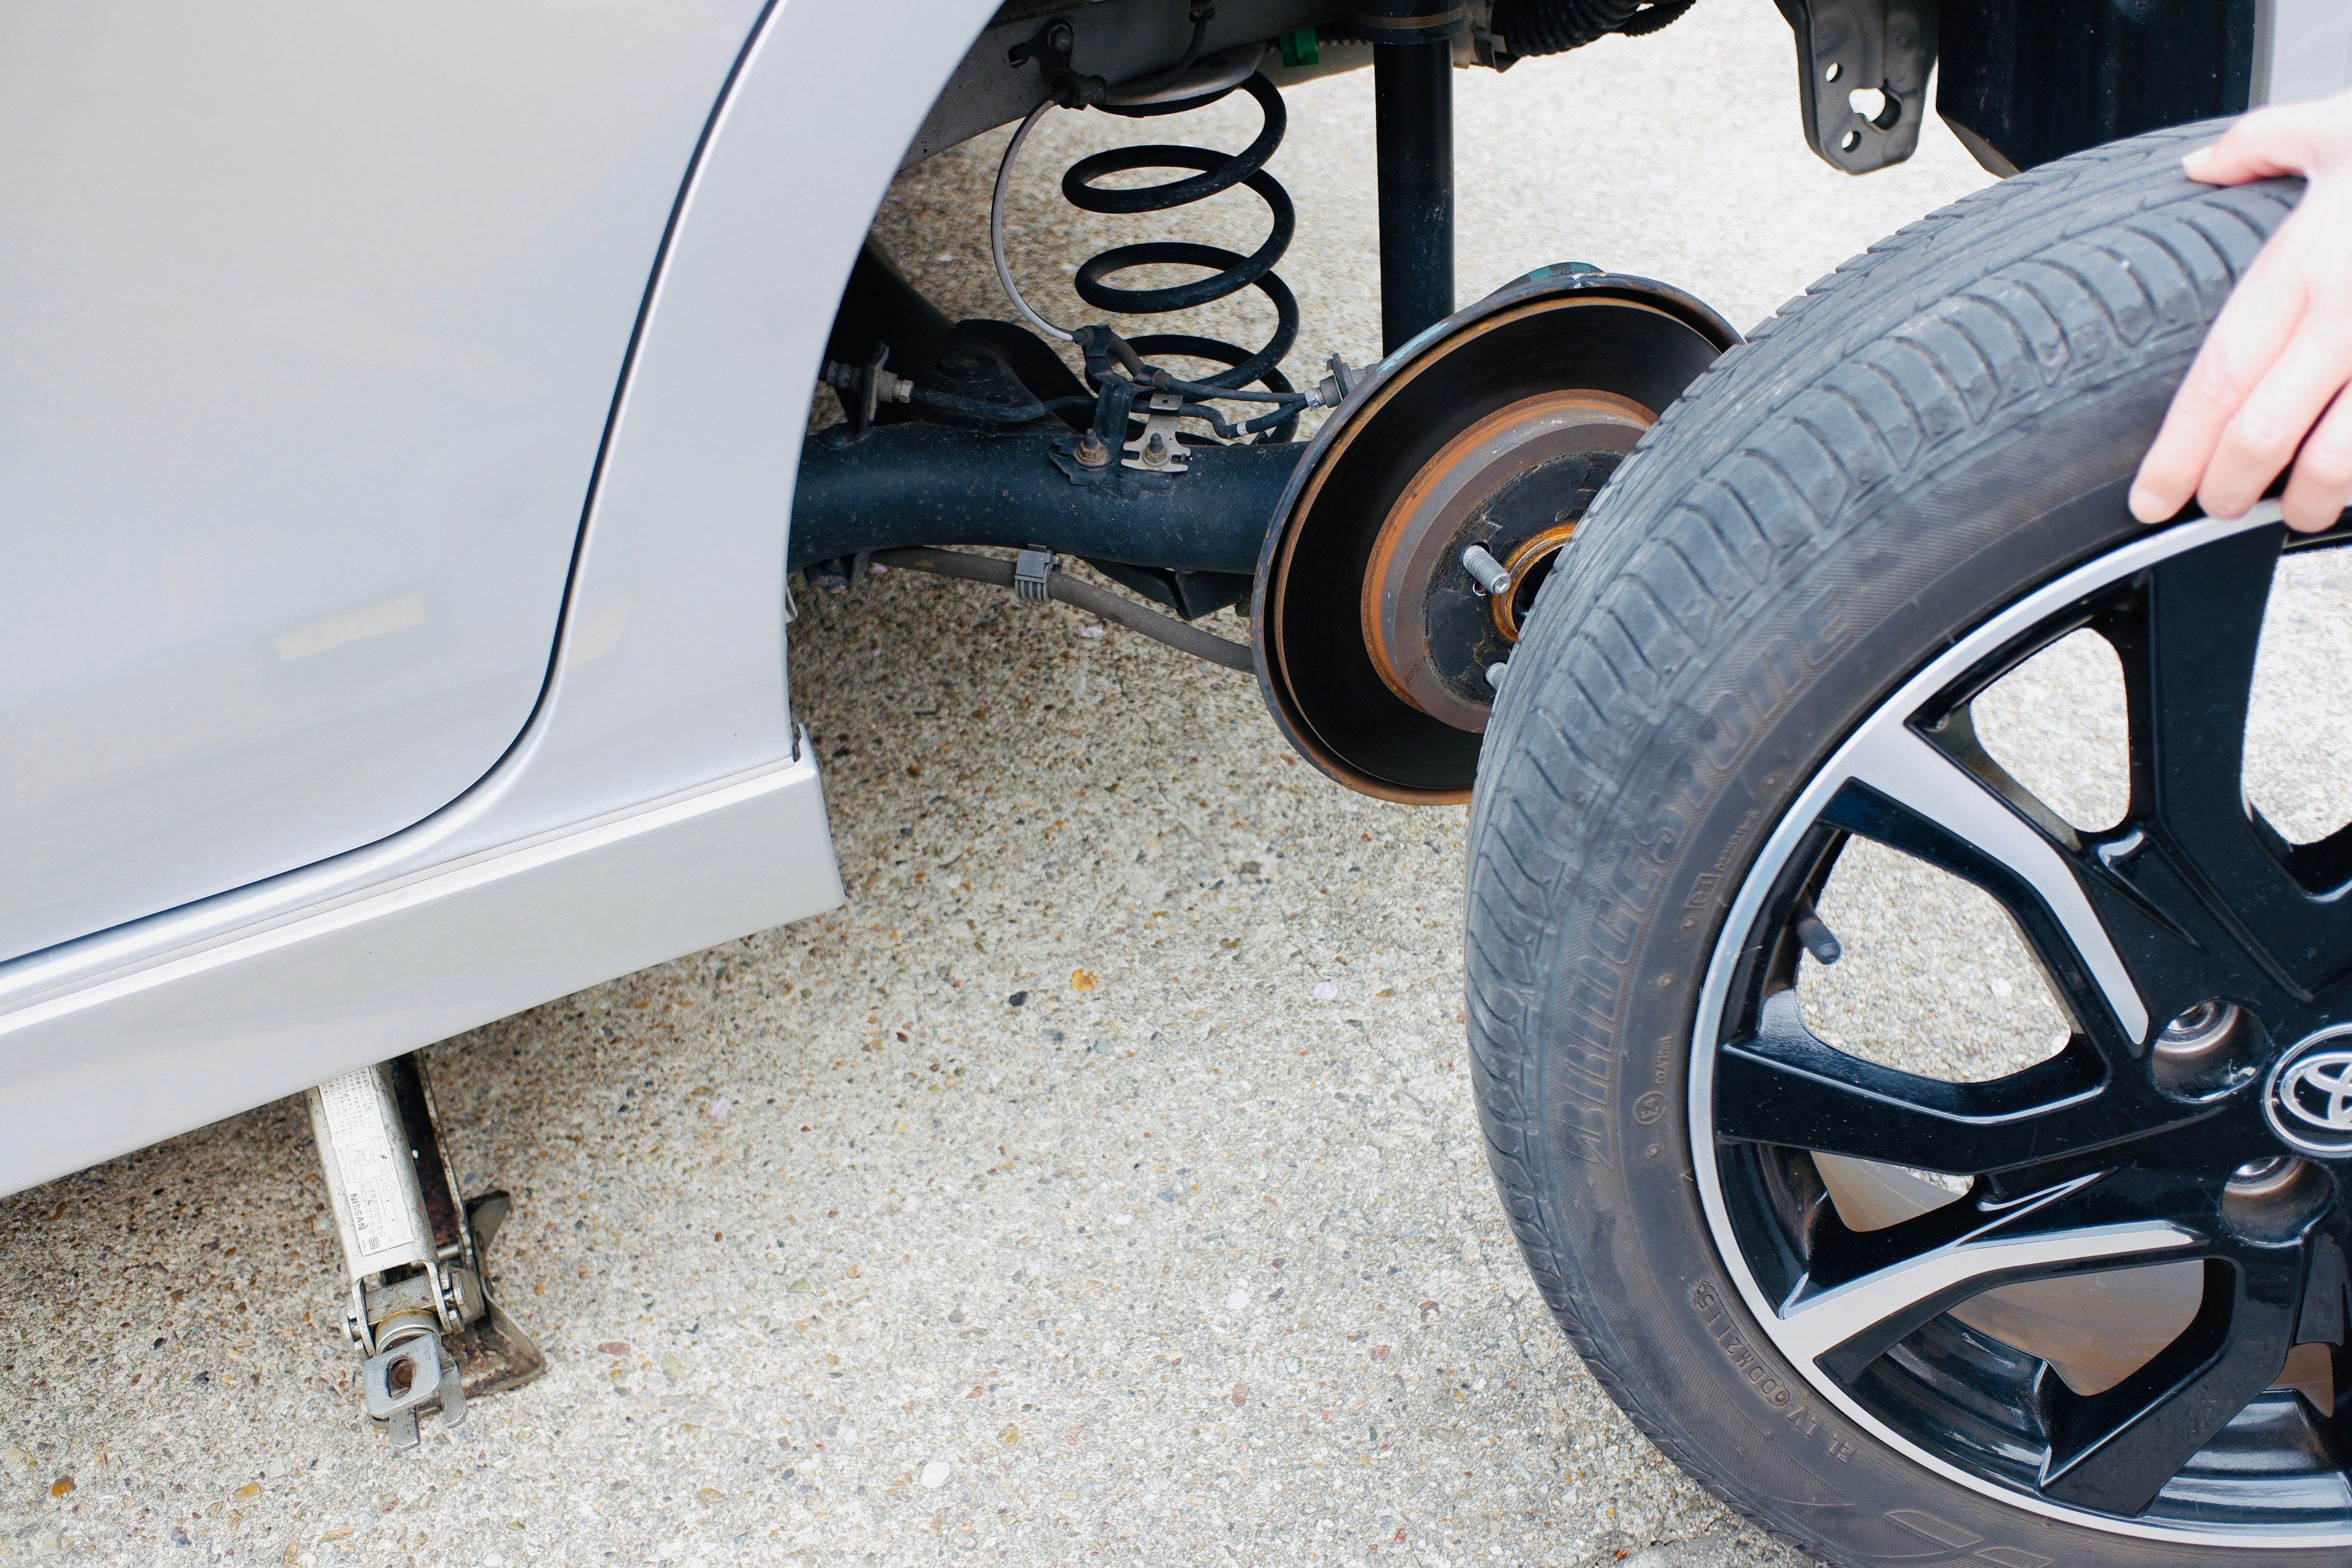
(1513, 483)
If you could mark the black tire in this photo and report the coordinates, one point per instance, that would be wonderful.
(1946, 423)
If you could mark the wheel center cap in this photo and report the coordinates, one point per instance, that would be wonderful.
(2308, 1099)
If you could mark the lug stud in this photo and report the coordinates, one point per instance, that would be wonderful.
(1491, 575)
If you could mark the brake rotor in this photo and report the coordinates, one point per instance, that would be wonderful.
(1498, 426)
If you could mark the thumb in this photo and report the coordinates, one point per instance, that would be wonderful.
(2265, 143)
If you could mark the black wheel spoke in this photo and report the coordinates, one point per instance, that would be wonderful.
(1869, 1291)
(2189, 677)
(1784, 1086)
(1913, 796)
(2115, 1450)
(2195, 852)
(2326, 864)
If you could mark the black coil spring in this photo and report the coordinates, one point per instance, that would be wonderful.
(1228, 271)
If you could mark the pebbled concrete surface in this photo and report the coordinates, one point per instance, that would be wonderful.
(1100, 1184)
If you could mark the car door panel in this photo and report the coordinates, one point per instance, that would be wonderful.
(312, 322)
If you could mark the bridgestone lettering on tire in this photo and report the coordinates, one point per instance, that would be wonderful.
(1776, 596)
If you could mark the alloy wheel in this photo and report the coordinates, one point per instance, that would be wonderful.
(2111, 1286)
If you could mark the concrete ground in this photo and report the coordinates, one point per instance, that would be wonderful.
(1102, 1181)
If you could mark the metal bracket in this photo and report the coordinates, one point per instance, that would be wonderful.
(1032, 573)
(1339, 385)
(1050, 47)
(865, 388)
(841, 573)
(1159, 449)
(421, 1311)
(1862, 73)
(416, 1372)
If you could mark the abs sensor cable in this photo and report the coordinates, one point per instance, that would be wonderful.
(1059, 584)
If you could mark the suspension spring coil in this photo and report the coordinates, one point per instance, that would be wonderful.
(1227, 272)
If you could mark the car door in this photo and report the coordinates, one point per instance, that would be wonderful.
(310, 322)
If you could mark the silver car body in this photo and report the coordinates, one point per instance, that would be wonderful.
(400, 419)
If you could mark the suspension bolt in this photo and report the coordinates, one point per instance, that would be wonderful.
(1091, 452)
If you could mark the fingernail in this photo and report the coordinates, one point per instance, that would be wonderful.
(2145, 507)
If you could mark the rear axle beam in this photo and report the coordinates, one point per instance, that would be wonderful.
(931, 484)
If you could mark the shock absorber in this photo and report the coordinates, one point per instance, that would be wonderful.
(1115, 365)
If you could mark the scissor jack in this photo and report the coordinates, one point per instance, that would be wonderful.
(420, 1310)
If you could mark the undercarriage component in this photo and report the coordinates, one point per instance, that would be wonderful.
(1376, 647)
(1412, 122)
(1159, 447)
(1551, 27)
(1464, 550)
(1112, 40)
(1179, 522)
(1035, 579)
(1862, 77)
(927, 484)
(1100, 468)
(1121, 41)
(879, 307)
(979, 374)
(1225, 272)
(2024, 82)
(420, 1310)
(1384, 674)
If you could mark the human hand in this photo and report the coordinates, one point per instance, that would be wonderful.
(2272, 369)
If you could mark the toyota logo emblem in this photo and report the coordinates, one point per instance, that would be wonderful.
(2309, 1102)
(2317, 1089)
